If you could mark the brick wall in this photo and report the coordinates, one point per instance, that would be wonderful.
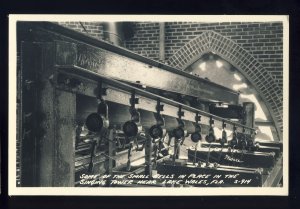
(262, 40)
(145, 40)
(93, 29)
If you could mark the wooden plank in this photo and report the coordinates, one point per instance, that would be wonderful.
(113, 61)
(275, 175)
(28, 114)
(148, 155)
(57, 144)
(65, 111)
(234, 157)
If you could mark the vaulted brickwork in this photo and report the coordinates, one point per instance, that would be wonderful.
(264, 40)
(210, 41)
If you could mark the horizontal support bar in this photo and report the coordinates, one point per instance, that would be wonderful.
(237, 157)
(264, 123)
(123, 92)
(75, 48)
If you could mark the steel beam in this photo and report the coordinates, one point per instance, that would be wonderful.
(119, 92)
(117, 62)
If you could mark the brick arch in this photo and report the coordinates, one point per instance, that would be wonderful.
(261, 79)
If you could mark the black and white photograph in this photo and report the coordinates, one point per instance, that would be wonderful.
(148, 105)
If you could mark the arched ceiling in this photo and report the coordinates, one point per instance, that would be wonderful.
(239, 58)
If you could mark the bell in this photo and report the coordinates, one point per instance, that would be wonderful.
(94, 122)
(243, 143)
(233, 142)
(130, 129)
(178, 133)
(224, 137)
(211, 136)
(156, 132)
(196, 137)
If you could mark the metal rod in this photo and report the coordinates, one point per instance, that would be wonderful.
(76, 70)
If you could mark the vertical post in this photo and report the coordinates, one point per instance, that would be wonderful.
(110, 150)
(148, 155)
(56, 148)
(176, 149)
(249, 109)
(162, 41)
(28, 120)
(64, 141)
